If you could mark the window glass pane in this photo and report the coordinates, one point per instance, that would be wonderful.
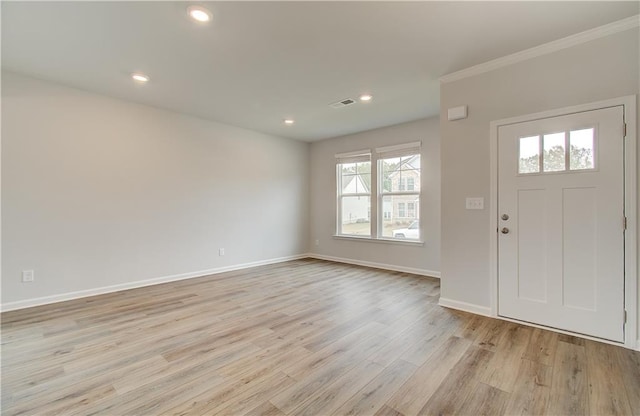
(400, 174)
(364, 183)
(348, 168)
(400, 216)
(356, 212)
(356, 178)
(348, 184)
(581, 149)
(529, 155)
(554, 152)
(413, 161)
(390, 174)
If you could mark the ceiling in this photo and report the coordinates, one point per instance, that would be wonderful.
(257, 63)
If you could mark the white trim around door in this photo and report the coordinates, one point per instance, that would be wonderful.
(630, 252)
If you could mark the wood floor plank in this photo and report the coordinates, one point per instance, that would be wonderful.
(441, 326)
(570, 339)
(460, 383)
(418, 389)
(542, 346)
(346, 328)
(362, 343)
(265, 409)
(247, 398)
(328, 399)
(569, 386)
(473, 327)
(265, 359)
(64, 404)
(51, 391)
(160, 391)
(503, 369)
(607, 393)
(402, 342)
(531, 390)
(490, 333)
(387, 411)
(485, 400)
(629, 364)
(318, 380)
(373, 396)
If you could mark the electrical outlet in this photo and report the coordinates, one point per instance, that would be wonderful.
(28, 276)
(221, 252)
(317, 242)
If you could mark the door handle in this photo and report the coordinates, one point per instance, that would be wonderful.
(504, 230)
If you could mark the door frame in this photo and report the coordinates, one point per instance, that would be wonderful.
(631, 277)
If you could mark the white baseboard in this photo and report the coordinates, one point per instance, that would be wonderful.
(140, 283)
(392, 267)
(464, 306)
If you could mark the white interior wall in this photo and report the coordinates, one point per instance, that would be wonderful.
(422, 259)
(598, 70)
(98, 192)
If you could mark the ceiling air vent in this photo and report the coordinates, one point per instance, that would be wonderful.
(342, 103)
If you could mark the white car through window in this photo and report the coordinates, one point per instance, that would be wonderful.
(412, 231)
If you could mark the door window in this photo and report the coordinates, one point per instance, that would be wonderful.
(572, 150)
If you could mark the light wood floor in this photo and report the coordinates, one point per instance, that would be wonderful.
(304, 337)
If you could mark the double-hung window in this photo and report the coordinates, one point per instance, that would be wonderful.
(399, 177)
(354, 193)
(389, 176)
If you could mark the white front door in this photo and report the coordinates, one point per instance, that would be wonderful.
(560, 222)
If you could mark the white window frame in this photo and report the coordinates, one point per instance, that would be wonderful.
(376, 194)
(387, 152)
(344, 158)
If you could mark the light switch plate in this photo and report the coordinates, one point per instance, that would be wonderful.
(475, 203)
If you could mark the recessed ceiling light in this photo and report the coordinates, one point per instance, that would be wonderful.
(199, 14)
(288, 121)
(366, 97)
(140, 77)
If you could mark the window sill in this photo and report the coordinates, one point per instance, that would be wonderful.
(380, 240)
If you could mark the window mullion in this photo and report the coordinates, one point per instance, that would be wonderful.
(338, 228)
(374, 220)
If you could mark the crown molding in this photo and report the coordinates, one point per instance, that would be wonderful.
(546, 48)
